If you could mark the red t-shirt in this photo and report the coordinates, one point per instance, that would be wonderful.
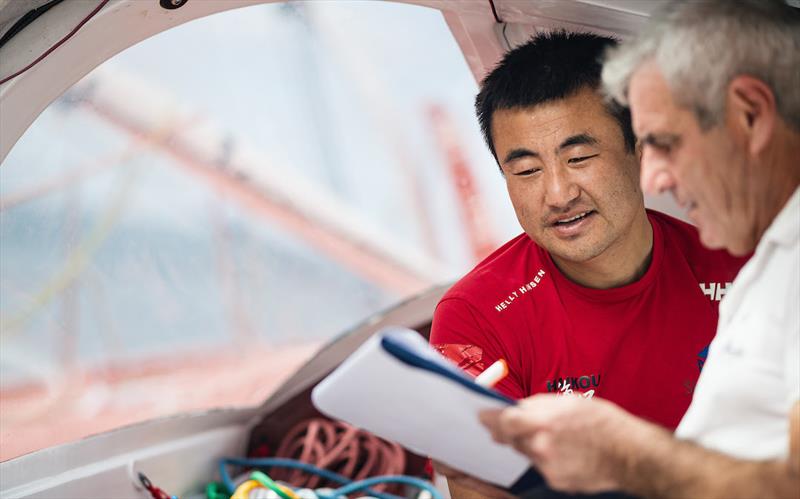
(641, 345)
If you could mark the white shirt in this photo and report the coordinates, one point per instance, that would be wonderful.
(752, 376)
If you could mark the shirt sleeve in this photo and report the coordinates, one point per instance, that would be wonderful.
(459, 333)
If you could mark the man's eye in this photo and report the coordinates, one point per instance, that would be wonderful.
(580, 158)
(662, 149)
(528, 172)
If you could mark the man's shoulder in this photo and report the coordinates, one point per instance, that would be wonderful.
(676, 229)
(683, 237)
(507, 264)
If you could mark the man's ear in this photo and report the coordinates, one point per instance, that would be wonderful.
(751, 109)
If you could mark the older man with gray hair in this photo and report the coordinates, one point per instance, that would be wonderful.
(714, 91)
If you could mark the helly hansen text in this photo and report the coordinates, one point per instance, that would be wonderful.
(520, 291)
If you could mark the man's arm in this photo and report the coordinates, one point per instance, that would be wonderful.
(463, 336)
(675, 468)
(592, 445)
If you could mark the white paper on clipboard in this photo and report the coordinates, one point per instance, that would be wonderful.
(427, 412)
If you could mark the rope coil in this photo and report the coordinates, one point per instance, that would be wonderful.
(337, 447)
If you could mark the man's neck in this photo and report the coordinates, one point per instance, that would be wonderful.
(624, 262)
(782, 178)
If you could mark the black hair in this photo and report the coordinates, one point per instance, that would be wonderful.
(546, 68)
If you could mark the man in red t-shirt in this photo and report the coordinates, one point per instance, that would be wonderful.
(599, 296)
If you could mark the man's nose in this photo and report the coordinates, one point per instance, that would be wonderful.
(560, 190)
(655, 176)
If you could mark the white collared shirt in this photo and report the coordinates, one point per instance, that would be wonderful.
(752, 377)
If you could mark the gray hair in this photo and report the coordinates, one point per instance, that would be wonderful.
(700, 46)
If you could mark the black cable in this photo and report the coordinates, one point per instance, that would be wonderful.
(494, 12)
(26, 19)
(58, 43)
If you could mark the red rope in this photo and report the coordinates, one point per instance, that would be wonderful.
(337, 447)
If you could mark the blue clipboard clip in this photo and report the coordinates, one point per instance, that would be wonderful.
(398, 347)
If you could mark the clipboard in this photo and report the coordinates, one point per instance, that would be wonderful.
(399, 388)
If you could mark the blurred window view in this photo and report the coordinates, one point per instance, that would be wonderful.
(195, 218)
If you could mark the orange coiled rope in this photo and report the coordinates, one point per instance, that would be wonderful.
(340, 448)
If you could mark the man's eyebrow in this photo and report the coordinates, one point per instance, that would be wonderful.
(520, 153)
(580, 139)
(662, 139)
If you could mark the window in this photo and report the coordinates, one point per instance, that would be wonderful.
(193, 219)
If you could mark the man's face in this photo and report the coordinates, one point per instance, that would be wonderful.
(573, 184)
(704, 170)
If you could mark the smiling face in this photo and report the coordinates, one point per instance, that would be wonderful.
(704, 170)
(573, 183)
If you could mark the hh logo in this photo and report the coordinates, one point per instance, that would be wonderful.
(714, 290)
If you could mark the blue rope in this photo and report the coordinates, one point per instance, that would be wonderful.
(289, 463)
(368, 482)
